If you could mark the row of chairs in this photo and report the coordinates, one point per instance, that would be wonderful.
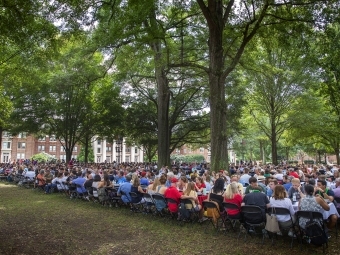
(228, 222)
(250, 212)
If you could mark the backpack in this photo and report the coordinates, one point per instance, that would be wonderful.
(315, 233)
(183, 212)
(102, 194)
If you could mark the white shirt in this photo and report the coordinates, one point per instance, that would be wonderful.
(30, 174)
(279, 177)
(286, 203)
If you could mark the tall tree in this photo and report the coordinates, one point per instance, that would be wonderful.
(279, 78)
(232, 25)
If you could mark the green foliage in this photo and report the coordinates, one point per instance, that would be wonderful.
(81, 155)
(43, 157)
(187, 158)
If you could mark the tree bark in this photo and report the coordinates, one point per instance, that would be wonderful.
(274, 144)
(1, 131)
(337, 151)
(218, 116)
(86, 150)
(163, 102)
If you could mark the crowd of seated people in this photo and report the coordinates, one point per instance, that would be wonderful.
(264, 186)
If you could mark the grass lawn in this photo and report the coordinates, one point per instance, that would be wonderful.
(34, 223)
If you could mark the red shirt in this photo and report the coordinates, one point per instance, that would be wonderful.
(173, 193)
(200, 185)
(294, 174)
(237, 200)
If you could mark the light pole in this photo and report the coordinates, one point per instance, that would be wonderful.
(119, 148)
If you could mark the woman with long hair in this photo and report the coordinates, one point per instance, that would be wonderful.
(232, 195)
(280, 199)
(216, 193)
(153, 186)
(191, 194)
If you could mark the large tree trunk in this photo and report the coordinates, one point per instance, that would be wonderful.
(218, 116)
(1, 131)
(68, 153)
(86, 150)
(337, 151)
(163, 110)
(274, 144)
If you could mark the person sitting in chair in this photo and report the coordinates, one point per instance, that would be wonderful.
(124, 189)
(257, 198)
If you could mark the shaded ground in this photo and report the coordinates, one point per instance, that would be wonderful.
(34, 223)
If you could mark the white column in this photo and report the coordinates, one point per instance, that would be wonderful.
(94, 148)
(123, 152)
(132, 153)
(114, 153)
(141, 155)
(104, 150)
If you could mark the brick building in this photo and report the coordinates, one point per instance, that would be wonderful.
(25, 146)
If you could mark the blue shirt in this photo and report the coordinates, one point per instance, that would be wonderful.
(269, 192)
(144, 181)
(125, 188)
(121, 180)
(168, 183)
(80, 181)
(287, 185)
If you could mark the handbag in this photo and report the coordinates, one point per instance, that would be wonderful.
(272, 225)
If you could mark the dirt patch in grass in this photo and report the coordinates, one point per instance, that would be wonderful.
(34, 223)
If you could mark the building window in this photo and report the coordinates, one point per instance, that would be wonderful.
(22, 135)
(98, 150)
(6, 145)
(62, 149)
(42, 139)
(74, 156)
(201, 149)
(21, 145)
(185, 150)
(127, 158)
(62, 157)
(75, 149)
(52, 138)
(108, 149)
(6, 134)
(136, 158)
(5, 157)
(136, 150)
(53, 148)
(127, 149)
(99, 142)
(20, 155)
(41, 147)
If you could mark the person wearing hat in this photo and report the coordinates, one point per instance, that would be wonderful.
(252, 185)
(143, 180)
(261, 182)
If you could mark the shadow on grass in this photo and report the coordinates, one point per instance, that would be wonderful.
(34, 223)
